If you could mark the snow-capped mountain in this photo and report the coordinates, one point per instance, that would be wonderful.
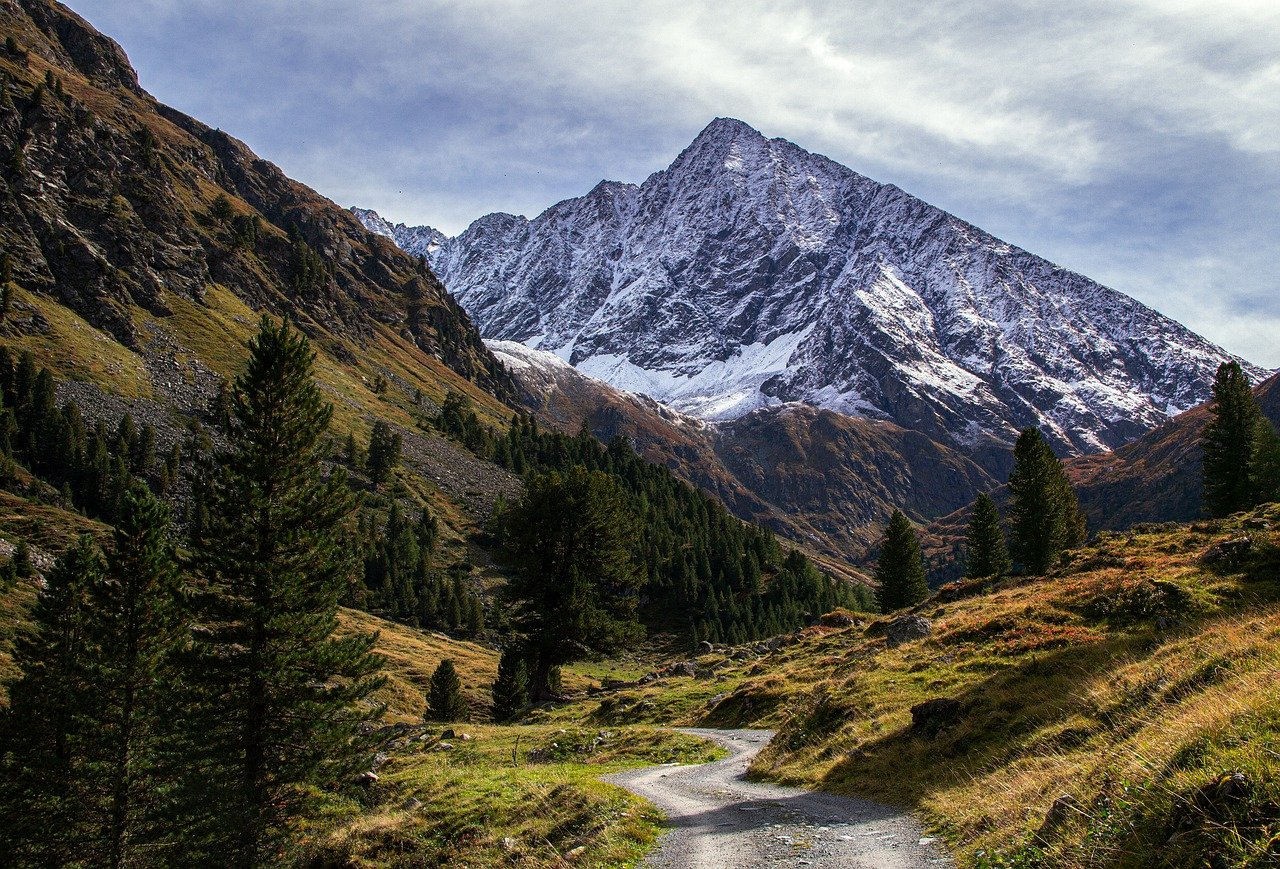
(752, 272)
(416, 240)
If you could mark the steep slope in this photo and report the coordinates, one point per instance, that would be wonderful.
(752, 273)
(1157, 477)
(823, 479)
(118, 207)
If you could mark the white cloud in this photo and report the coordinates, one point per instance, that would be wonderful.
(1128, 137)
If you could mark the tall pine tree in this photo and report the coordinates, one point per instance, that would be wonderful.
(44, 775)
(573, 540)
(136, 625)
(899, 575)
(1227, 443)
(1045, 515)
(1264, 462)
(988, 552)
(278, 700)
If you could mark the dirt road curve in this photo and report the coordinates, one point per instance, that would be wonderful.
(719, 821)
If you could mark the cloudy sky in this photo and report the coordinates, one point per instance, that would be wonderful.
(1136, 141)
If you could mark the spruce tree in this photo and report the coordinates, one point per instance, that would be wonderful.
(136, 626)
(384, 452)
(1045, 515)
(1264, 462)
(1227, 443)
(43, 769)
(511, 688)
(445, 700)
(988, 552)
(573, 541)
(899, 574)
(277, 699)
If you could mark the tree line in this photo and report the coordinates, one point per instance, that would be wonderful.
(187, 708)
(703, 572)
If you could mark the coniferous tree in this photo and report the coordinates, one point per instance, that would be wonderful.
(1045, 515)
(988, 552)
(445, 700)
(135, 626)
(384, 452)
(275, 697)
(572, 539)
(22, 566)
(511, 688)
(43, 773)
(1264, 462)
(899, 574)
(1227, 442)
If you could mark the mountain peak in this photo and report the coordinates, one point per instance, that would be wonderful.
(752, 273)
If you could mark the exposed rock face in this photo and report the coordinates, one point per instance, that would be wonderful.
(114, 202)
(751, 273)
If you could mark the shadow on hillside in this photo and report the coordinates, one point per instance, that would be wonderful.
(993, 718)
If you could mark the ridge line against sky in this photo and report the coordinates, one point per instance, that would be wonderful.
(1134, 141)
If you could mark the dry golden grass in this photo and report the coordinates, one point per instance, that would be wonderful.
(1131, 678)
(413, 655)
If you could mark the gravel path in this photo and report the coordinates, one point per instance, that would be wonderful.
(718, 820)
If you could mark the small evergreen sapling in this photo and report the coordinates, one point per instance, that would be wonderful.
(445, 700)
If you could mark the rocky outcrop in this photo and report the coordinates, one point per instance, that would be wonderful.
(751, 273)
(111, 202)
(906, 629)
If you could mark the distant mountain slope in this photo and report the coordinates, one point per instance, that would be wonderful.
(752, 273)
(1157, 477)
(818, 477)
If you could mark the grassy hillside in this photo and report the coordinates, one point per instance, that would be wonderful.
(1138, 679)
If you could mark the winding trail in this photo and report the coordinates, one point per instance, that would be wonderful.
(718, 820)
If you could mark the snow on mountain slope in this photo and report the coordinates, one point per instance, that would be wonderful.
(417, 240)
(752, 273)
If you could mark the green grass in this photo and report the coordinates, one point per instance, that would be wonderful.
(1133, 678)
(486, 804)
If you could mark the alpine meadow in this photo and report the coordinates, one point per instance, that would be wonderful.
(750, 513)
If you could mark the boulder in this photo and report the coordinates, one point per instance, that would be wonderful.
(444, 746)
(706, 647)
(448, 733)
(837, 619)
(1229, 554)
(684, 668)
(365, 779)
(933, 716)
(410, 804)
(906, 628)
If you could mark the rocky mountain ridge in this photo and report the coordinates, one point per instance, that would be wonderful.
(120, 208)
(751, 273)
